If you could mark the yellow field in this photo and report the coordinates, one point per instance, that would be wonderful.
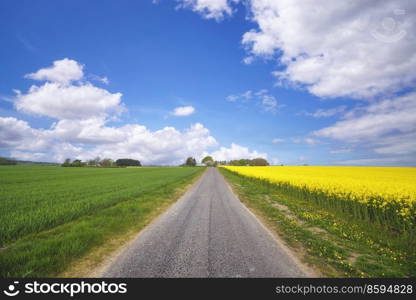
(388, 189)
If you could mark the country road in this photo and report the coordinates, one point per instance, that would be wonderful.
(208, 232)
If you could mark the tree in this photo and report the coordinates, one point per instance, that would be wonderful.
(94, 162)
(106, 162)
(67, 163)
(240, 162)
(259, 162)
(5, 161)
(127, 162)
(190, 162)
(208, 161)
(77, 163)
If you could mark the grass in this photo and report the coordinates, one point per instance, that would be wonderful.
(53, 216)
(335, 243)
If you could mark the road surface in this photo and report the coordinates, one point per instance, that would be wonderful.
(206, 233)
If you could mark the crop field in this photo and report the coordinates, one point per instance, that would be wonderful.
(383, 195)
(373, 207)
(51, 216)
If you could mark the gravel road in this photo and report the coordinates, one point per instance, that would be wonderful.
(208, 232)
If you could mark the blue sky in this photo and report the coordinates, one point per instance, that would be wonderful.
(295, 84)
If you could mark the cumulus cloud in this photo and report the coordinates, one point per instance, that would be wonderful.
(13, 132)
(85, 139)
(18, 135)
(236, 152)
(68, 101)
(358, 49)
(210, 9)
(63, 71)
(65, 96)
(82, 131)
(183, 111)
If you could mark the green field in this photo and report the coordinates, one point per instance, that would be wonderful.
(51, 216)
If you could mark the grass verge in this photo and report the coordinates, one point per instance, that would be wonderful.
(50, 253)
(332, 242)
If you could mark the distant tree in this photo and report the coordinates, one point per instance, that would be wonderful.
(67, 163)
(245, 162)
(248, 162)
(190, 162)
(94, 162)
(106, 162)
(208, 161)
(5, 161)
(77, 163)
(259, 162)
(239, 162)
(127, 162)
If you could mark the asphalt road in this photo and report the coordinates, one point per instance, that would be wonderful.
(206, 233)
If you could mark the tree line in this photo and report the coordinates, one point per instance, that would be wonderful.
(189, 162)
(210, 162)
(104, 163)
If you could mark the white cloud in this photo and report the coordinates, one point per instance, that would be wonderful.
(325, 113)
(63, 71)
(232, 98)
(183, 111)
(387, 127)
(357, 48)
(276, 161)
(81, 131)
(236, 152)
(85, 139)
(103, 79)
(381, 161)
(269, 103)
(341, 151)
(164, 146)
(310, 141)
(307, 140)
(278, 140)
(264, 99)
(62, 98)
(13, 131)
(17, 134)
(68, 101)
(210, 9)
(247, 95)
(248, 60)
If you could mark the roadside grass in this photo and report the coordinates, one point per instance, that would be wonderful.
(60, 243)
(334, 243)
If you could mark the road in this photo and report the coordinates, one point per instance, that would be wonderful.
(208, 232)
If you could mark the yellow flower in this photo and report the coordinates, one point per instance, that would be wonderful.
(387, 188)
